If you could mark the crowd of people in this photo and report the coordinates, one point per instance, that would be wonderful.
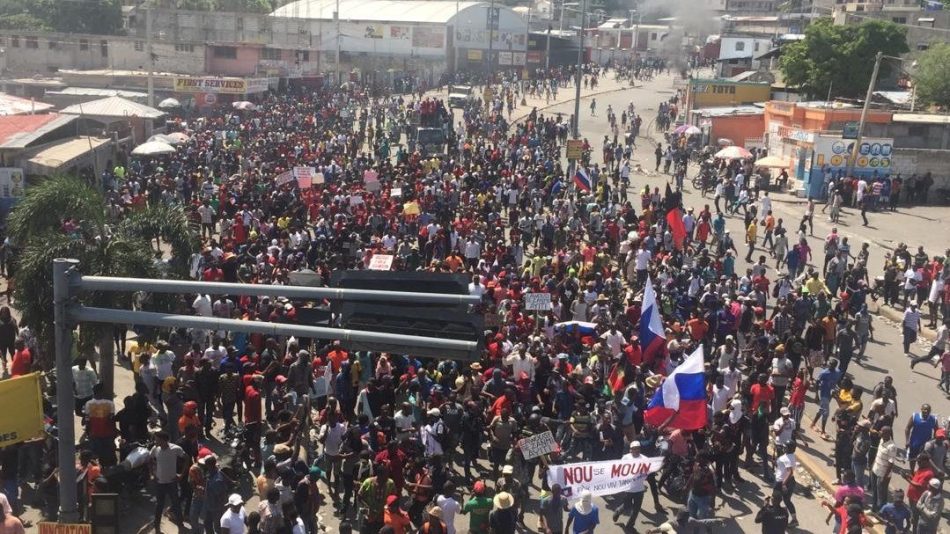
(396, 443)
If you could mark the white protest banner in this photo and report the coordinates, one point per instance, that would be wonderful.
(381, 262)
(304, 176)
(283, 178)
(537, 301)
(603, 478)
(537, 445)
(396, 192)
(321, 385)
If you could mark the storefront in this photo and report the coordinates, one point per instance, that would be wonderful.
(206, 91)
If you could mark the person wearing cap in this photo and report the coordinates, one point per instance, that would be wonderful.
(929, 508)
(433, 522)
(633, 496)
(917, 483)
(433, 433)
(480, 507)
(515, 487)
(784, 427)
(232, 521)
(395, 517)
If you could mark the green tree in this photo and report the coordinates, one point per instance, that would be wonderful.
(102, 247)
(840, 58)
(932, 76)
(86, 16)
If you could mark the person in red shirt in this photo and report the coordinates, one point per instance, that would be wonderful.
(917, 483)
(252, 415)
(762, 394)
(337, 356)
(22, 359)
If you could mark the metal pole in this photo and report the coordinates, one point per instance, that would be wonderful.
(491, 41)
(577, 78)
(111, 283)
(106, 315)
(68, 512)
(339, 68)
(148, 50)
(560, 24)
(864, 115)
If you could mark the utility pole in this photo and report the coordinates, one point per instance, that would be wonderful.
(578, 74)
(339, 68)
(493, 23)
(855, 150)
(547, 51)
(68, 512)
(148, 50)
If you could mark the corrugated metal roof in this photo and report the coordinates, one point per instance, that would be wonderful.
(94, 91)
(113, 106)
(434, 11)
(14, 105)
(728, 111)
(62, 153)
(18, 131)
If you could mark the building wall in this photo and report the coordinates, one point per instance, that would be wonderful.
(738, 129)
(907, 161)
(169, 57)
(812, 119)
(244, 62)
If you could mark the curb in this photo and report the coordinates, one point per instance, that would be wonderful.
(808, 463)
(894, 315)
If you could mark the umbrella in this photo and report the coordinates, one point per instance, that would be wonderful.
(733, 152)
(177, 138)
(153, 148)
(244, 105)
(169, 103)
(725, 142)
(771, 161)
(160, 138)
(687, 129)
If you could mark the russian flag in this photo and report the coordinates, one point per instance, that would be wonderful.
(682, 396)
(652, 336)
(581, 179)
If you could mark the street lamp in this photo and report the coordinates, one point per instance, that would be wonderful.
(855, 150)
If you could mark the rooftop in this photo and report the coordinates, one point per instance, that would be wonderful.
(922, 118)
(14, 105)
(434, 11)
(729, 111)
(18, 131)
(113, 106)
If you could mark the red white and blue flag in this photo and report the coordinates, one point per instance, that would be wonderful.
(652, 336)
(582, 179)
(682, 396)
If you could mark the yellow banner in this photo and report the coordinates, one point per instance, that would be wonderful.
(230, 86)
(22, 409)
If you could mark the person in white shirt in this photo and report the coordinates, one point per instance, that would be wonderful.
(232, 521)
(614, 340)
(883, 466)
(731, 376)
(633, 497)
(721, 395)
(784, 427)
(521, 362)
(449, 505)
(432, 432)
(785, 465)
(202, 305)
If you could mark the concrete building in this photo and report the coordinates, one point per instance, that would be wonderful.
(416, 35)
(923, 27)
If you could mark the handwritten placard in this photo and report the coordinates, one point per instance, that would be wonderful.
(537, 301)
(537, 445)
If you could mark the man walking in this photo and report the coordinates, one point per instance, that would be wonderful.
(164, 465)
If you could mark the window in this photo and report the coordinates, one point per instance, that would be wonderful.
(31, 42)
(53, 45)
(899, 20)
(225, 52)
(755, 46)
(240, 23)
(303, 55)
(104, 48)
(2, 41)
(922, 46)
(270, 53)
(139, 46)
(185, 48)
(15, 41)
(653, 36)
(740, 46)
(84, 44)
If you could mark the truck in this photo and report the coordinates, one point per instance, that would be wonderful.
(460, 95)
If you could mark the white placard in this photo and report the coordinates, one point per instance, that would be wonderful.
(537, 445)
(381, 262)
(537, 301)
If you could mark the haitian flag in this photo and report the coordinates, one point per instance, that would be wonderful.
(652, 337)
(582, 180)
(682, 396)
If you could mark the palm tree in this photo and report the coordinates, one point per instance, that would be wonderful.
(102, 247)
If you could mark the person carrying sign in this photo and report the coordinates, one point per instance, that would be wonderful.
(633, 498)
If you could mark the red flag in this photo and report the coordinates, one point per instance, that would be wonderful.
(674, 218)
